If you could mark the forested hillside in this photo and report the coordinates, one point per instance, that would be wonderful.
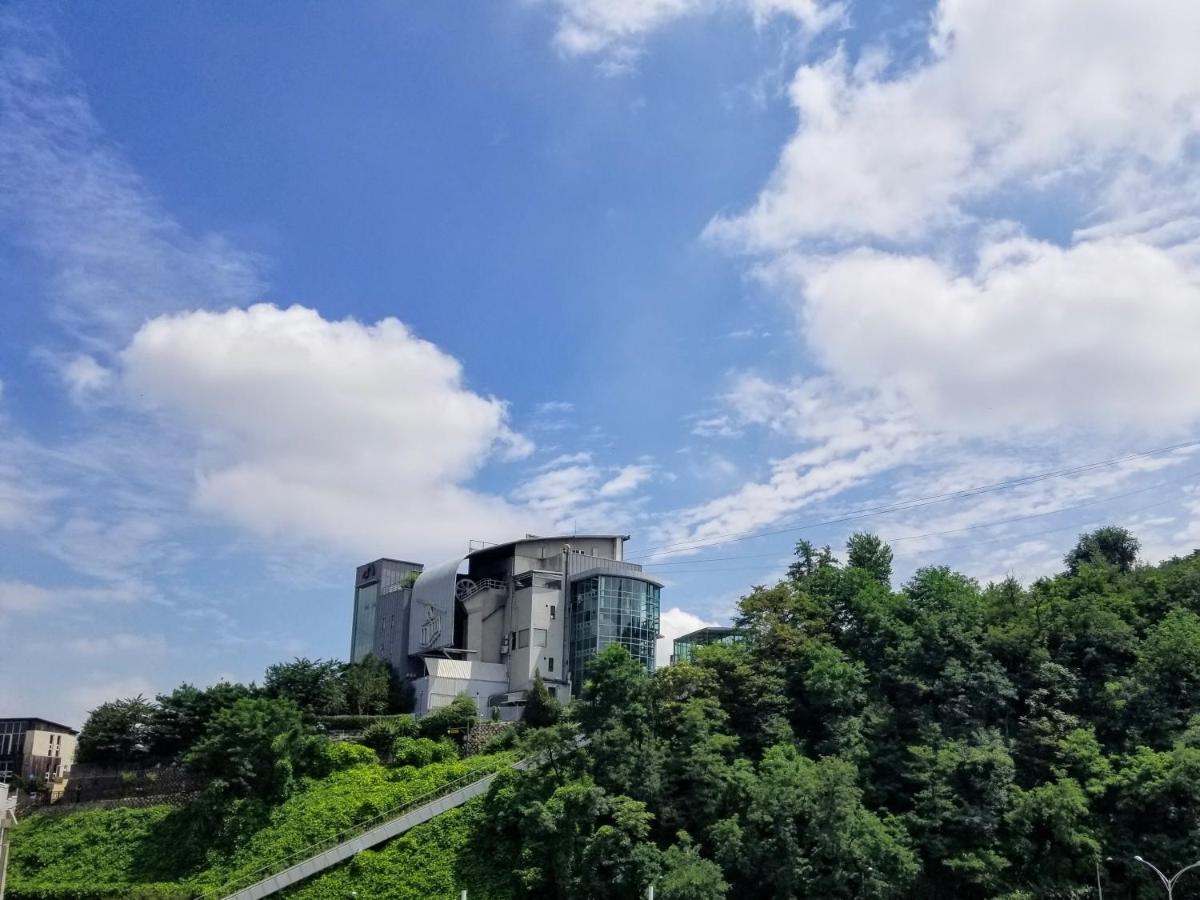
(946, 740)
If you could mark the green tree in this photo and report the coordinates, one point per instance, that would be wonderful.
(616, 712)
(541, 710)
(314, 685)
(1110, 545)
(366, 685)
(181, 716)
(686, 875)
(869, 553)
(962, 792)
(258, 747)
(116, 733)
(1163, 690)
(808, 834)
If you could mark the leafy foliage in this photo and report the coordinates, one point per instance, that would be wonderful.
(116, 733)
(541, 710)
(367, 686)
(455, 717)
(256, 748)
(314, 685)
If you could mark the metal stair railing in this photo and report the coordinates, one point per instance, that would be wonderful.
(282, 865)
(471, 587)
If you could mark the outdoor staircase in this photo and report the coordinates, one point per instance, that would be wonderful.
(341, 847)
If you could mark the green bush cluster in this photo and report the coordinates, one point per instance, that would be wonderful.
(362, 723)
(407, 751)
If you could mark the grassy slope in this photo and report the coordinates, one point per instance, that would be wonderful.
(78, 855)
(435, 861)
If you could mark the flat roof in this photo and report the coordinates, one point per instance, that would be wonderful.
(39, 719)
(708, 630)
(554, 538)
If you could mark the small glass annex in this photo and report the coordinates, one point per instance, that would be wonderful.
(687, 645)
(611, 609)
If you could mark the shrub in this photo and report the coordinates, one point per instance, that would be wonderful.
(380, 735)
(502, 740)
(356, 723)
(340, 755)
(457, 716)
(419, 752)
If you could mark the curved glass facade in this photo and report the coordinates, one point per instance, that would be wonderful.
(612, 609)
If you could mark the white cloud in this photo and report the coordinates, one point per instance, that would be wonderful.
(25, 597)
(1102, 334)
(675, 622)
(124, 642)
(83, 375)
(1023, 93)
(578, 494)
(628, 479)
(363, 436)
(615, 27)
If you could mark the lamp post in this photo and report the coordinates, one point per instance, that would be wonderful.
(1099, 889)
(1168, 883)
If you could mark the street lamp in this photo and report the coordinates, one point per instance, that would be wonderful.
(1099, 889)
(1168, 883)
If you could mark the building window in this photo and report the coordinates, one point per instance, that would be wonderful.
(553, 610)
(539, 637)
(549, 663)
(523, 638)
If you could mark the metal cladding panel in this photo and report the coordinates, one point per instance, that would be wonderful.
(431, 614)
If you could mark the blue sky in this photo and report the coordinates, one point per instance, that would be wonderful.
(287, 287)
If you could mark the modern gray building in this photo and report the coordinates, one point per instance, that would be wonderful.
(381, 591)
(486, 623)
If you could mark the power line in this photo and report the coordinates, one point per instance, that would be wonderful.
(920, 502)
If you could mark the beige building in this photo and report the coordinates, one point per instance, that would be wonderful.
(35, 748)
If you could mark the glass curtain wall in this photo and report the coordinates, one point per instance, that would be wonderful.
(365, 599)
(610, 609)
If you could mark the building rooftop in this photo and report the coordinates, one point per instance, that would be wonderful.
(548, 538)
(57, 726)
(707, 631)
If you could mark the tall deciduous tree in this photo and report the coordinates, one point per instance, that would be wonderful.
(366, 685)
(117, 733)
(314, 685)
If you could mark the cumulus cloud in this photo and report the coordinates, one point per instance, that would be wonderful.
(1024, 93)
(361, 435)
(1102, 334)
(897, 223)
(615, 27)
